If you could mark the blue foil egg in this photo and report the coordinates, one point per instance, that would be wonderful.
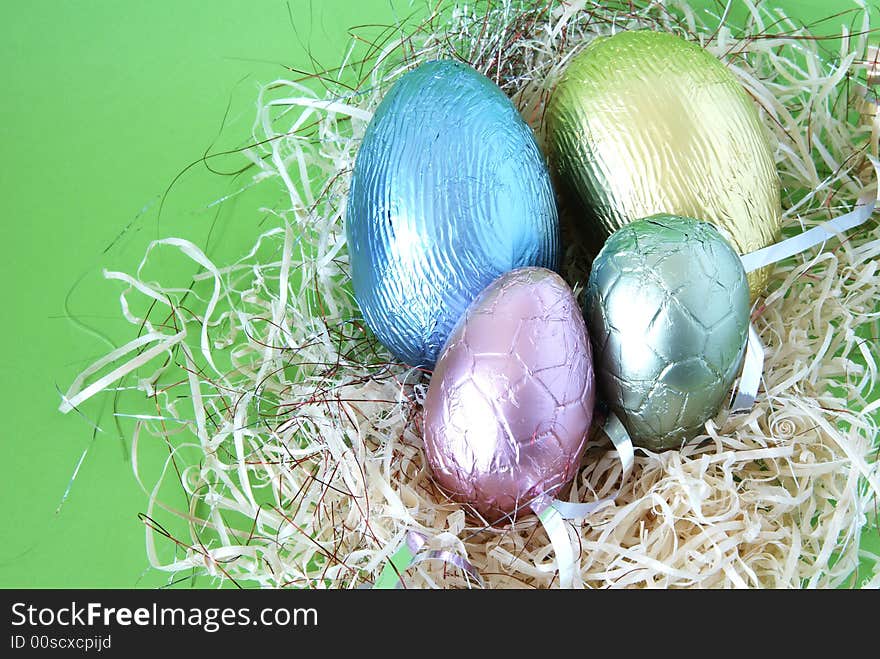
(449, 191)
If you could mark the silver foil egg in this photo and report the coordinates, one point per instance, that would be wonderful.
(667, 305)
(511, 400)
(449, 191)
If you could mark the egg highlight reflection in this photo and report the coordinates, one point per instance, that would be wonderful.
(667, 305)
(511, 400)
(449, 191)
(646, 122)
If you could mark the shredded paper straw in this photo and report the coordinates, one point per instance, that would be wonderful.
(295, 440)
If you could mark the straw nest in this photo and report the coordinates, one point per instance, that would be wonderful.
(296, 441)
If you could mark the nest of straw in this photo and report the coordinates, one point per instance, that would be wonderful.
(296, 441)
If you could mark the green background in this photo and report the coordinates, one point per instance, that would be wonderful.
(103, 103)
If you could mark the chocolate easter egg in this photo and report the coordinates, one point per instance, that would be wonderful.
(511, 399)
(667, 306)
(449, 191)
(646, 122)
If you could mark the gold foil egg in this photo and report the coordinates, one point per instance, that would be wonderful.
(646, 122)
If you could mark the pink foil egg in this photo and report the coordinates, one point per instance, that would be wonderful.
(511, 398)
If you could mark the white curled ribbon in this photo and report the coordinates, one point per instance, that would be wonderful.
(555, 513)
(752, 371)
(818, 234)
(410, 554)
(753, 362)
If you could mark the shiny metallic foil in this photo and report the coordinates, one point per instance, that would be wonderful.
(667, 306)
(449, 191)
(646, 122)
(511, 399)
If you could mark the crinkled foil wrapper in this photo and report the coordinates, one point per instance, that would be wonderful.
(449, 191)
(667, 304)
(646, 122)
(511, 400)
